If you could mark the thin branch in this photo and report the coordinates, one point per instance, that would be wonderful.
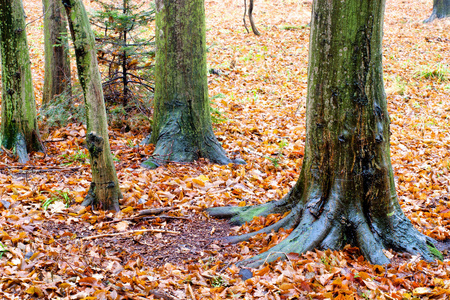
(159, 294)
(128, 232)
(155, 211)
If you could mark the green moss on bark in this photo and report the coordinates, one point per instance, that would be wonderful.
(182, 129)
(346, 191)
(18, 103)
(104, 192)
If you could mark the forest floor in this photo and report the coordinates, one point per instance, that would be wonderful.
(49, 251)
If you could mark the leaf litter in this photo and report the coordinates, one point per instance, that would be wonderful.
(260, 92)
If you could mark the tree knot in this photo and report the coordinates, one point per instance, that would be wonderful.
(95, 144)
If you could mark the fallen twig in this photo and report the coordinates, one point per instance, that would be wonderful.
(40, 168)
(138, 217)
(127, 232)
(54, 141)
(191, 292)
(155, 211)
(159, 294)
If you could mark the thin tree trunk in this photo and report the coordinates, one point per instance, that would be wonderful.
(250, 17)
(441, 9)
(19, 130)
(182, 129)
(104, 192)
(245, 14)
(124, 58)
(57, 58)
(345, 193)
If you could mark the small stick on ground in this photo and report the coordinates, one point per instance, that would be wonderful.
(40, 168)
(159, 294)
(191, 292)
(128, 232)
(54, 141)
(138, 217)
(155, 211)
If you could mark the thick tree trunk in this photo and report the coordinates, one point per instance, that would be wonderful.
(57, 58)
(19, 130)
(104, 192)
(346, 192)
(182, 130)
(441, 9)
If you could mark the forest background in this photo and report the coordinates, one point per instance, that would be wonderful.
(259, 106)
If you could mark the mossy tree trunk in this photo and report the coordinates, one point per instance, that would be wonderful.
(182, 129)
(345, 193)
(441, 9)
(56, 49)
(104, 192)
(19, 130)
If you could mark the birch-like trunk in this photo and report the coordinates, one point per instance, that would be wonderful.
(104, 192)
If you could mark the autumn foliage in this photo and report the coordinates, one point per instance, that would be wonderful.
(49, 250)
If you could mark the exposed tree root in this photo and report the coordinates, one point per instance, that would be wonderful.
(331, 224)
(431, 18)
(21, 149)
(240, 215)
(289, 221)
(18, 144)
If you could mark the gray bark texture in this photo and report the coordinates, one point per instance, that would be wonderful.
(104, 192)
(56, 50)
(19, 130)
(441, 9)
(182, 129)
(345, 193)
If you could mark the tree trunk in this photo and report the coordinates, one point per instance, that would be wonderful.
(104, 192)
(57, 58)
(250, 17)
(182, 130)
(345, 193)
(441, 9)
(125, 58)
(19, 130)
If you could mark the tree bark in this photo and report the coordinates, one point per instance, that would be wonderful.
(345, 193)
(104, 192)
(441, 9)
(56, 50)
(182, 129)
(250, 17)
(19, 130)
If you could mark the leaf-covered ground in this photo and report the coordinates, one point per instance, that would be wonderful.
(49, 251)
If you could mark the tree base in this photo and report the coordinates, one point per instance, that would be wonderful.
(110, 194)
(21, 149)
(176, 143)
(431, 18)
(332, 227)
(104, 192)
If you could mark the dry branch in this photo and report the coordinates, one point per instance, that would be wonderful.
(155, 211)
(127, 232)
